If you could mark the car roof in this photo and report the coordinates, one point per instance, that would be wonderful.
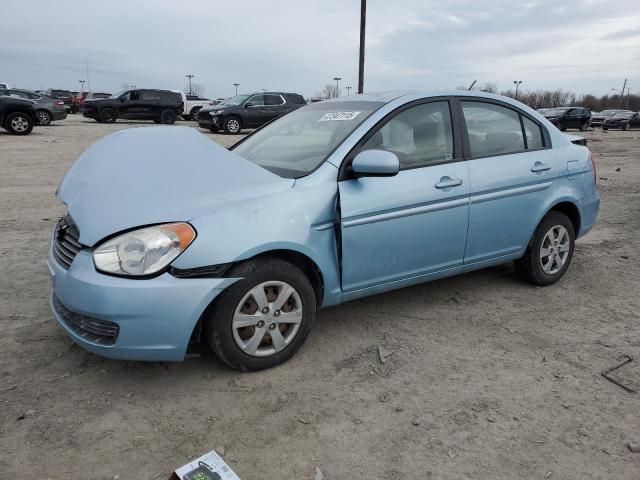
(386, 97)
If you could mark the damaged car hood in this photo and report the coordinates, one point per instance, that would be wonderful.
(144, 176)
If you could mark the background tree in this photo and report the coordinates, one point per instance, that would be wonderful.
(330, 91)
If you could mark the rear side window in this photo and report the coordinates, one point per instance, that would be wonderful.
(150, 96)
(273, 100)
(533, 134)
(420, 136)
(492, 129)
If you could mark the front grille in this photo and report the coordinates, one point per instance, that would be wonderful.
(65, 242)
(101, 332)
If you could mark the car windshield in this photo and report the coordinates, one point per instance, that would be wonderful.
(552, 112)
(237, 100)
(622, 115)
(608, 113)
(297, 143)
(117, 95)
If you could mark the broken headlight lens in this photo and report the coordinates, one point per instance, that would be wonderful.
(144, 251)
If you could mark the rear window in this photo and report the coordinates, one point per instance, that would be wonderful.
(297, 99)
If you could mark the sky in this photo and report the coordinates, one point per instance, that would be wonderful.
(584, 46)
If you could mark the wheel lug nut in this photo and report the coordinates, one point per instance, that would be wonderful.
(272, 326)
(276, 313)
(260, 324)
(265, 310)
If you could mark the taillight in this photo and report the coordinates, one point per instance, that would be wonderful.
(60, 103)
(593, 167)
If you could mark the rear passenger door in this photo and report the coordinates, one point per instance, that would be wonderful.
(512, 177)
(274, 106)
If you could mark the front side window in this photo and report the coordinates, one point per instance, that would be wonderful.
(492, 129)
(419, 136)
(256, 101)
(297, 143)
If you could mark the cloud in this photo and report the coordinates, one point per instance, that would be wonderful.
(301, 45)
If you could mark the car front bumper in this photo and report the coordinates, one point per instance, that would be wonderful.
(207, 121)
(154, 317)
(90, 113)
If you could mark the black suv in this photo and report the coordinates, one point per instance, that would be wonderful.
(161, 106)
(16, 115)
(568, 117)
(248, 111)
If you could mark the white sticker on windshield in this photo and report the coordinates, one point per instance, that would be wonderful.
(328, 117)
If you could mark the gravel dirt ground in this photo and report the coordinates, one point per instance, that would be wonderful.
(488, 377)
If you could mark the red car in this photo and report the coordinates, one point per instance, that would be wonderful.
(79, 99)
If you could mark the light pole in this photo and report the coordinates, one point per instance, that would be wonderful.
(363, 18)
(337, 79)
(517, 84)
(81, 82)
(348, 90)
(189, 76)
(236, 85)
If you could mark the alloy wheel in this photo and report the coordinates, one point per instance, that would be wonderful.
(19, 124)
(267, 319)
(233, 125)
(554, 250)
(43, 118)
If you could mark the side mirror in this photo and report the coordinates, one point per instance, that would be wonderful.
(248, 104)
(375, 163)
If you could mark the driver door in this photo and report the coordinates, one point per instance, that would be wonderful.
(400, 230)
(254, 113)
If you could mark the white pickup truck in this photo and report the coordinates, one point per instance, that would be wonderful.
(193, 103)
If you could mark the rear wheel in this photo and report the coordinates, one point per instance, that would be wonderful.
(625, 126)
(584, 127)
(168, 117)
(43, 117)
(264, 318)
(18, 123)
(108, 115)
(550, 250)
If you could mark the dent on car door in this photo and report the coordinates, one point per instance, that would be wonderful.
(512, 174)
(399, 230)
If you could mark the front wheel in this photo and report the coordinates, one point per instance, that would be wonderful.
(263, 319)
(168, 117)
(43, 117)
(550, 250)
(108, 115)
(584, 127)
(625, 127)
(18, 123)
(232, 125)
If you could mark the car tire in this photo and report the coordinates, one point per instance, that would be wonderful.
(157, 121)
(232, 126)
(251, 347)
(550, 250)
(193, 115)
(213, 129)
(18, 123)
(584, 127)
(625, 126)
(563, 129)
(108, 115)
(168, 117)
(43, 117)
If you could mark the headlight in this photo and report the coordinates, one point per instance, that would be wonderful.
(145, 251)
(213, 113)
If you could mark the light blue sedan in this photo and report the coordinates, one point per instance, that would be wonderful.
(170, 238)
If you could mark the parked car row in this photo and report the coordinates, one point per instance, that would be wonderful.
(47, 109)
(582, 118)
(17, 115)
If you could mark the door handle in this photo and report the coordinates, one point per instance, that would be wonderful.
(446, 182)
(540, 167)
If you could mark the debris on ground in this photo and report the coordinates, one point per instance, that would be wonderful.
(304, 420)
(319, 474)
(607, 374)
(415, 422)
(220, 450)
(385, 397)
(633, 447)
(9, 388)
(383, 353)
(548, 474)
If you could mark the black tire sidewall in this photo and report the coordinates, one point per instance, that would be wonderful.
(168, 117)
(536, 274)
(194, 113)
(103, 115)
(11, 116)
(217, 321)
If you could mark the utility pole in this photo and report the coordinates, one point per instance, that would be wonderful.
(189, 76)
(236, 85)
(337, 79)
(517, 84)
(348, 90)
(81, 86)
(624, 85)
(363, 18)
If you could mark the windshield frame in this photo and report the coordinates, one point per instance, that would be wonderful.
(338, 106)
(245, 97)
